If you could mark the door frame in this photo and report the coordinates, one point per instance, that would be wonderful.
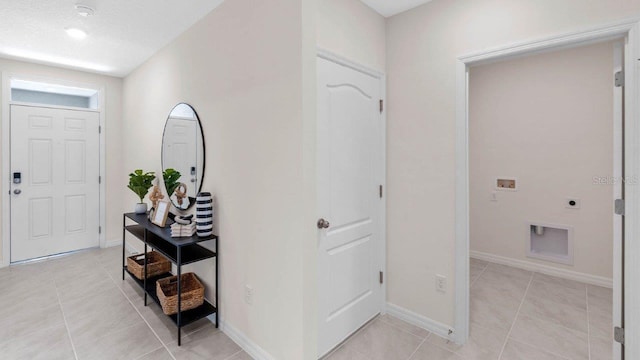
(382, 169)
(5, 129)
(629, 29)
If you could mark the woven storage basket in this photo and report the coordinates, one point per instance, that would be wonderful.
(156, 265)
(192, 293)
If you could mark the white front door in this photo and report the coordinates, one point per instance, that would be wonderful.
(55, 205)
(350, 173)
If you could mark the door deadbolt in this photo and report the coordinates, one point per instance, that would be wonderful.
(323, 224)
(17, 191)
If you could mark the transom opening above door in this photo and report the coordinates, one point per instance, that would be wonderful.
(41, 93)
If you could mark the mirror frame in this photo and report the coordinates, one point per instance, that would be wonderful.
(204, 153)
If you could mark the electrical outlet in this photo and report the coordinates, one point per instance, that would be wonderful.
(248, 294)
(441, 283)
(493, 196)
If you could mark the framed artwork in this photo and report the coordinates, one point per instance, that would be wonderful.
(161, 213)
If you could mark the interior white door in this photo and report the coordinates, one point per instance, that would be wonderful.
(350, 165)
(55, 206)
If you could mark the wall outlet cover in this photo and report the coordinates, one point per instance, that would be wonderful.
(441, 283)
(248, 295)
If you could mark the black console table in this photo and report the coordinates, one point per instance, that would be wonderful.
(181, 251)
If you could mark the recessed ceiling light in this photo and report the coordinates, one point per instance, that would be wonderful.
(84, 10)
(76, 33)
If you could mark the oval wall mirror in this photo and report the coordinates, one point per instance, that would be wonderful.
(183, 156)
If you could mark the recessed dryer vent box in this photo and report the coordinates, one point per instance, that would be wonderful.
(507, 184)
(550, 242)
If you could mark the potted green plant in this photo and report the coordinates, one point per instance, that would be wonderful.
(140, 183)
(171, 183)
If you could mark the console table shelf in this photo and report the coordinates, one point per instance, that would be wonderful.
(181, 251)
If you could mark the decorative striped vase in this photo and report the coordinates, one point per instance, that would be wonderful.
(204, 214)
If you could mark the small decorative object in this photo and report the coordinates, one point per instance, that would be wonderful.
(156, 194)
(204, 214)
(181, 193)
(181, 230)
(161, 213)
(191, 293)
(140, 183)
(184, 220)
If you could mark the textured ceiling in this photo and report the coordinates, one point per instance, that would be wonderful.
(388, 8)
(122, 33)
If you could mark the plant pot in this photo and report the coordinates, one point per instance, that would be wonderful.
(141, 208)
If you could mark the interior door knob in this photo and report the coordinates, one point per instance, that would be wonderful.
(17, 191)
(323, 224)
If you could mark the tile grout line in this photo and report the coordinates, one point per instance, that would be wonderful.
(516, 317)
(143, 319)
(418, 348)
(479, 275)
(234, 354)
(150, 352)
(64, 317)
(586, 293)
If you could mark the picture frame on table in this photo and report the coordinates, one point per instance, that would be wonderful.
(161, 213)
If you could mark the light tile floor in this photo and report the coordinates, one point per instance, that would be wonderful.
(515, 315)
(78, 307)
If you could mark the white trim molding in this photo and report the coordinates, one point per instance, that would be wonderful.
(420, 321)
(629, 30)
(251, 348)
(544, 269)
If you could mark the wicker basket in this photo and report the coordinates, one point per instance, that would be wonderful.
(156, 265)
(192, 293)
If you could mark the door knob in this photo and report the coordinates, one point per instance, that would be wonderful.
(323, 224)
(17, 191)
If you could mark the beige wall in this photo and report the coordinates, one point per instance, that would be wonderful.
(351, 29)
(528, 120)
(113, 131)
(422, 47)
(241, 68)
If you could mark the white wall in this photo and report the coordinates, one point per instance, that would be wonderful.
(353, 30)
(528, 120)
(422, 47)
(115, 183)
(243, 68)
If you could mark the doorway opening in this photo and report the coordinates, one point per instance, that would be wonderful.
(627, 252)
(542, 253)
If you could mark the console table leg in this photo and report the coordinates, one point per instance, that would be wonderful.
(217, 259)
(145, 268)
(124, 229)
(179, 265)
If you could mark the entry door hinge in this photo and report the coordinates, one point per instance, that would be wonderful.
(618, 334)
(619, 207)
(381, 277)
(99, 129)
(381, 105)
(619, 79)
(99, 179)
(99, 229)
(380, 191)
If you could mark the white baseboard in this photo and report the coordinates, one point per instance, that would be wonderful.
(112, 243)
(251, 348)
(418, 320)
(544, 269)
